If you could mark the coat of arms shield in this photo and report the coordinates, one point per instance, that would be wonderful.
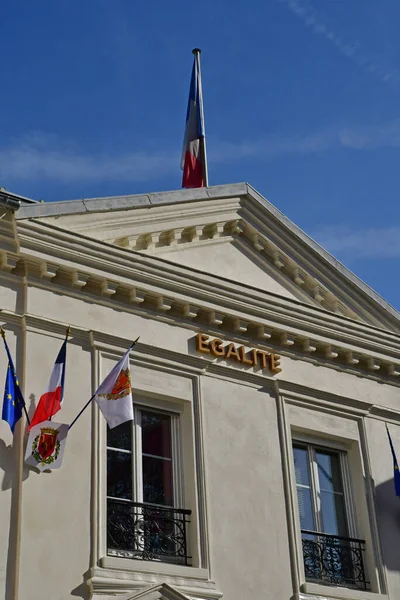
(45, 446)
(47, 442)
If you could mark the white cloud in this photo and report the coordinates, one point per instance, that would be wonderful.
(354, 137)
(372, 136)
(44, 157)
(371, 63)
(273, 146)
(344, 242)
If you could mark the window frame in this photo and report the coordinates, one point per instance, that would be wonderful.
(176, 454)
(344, 451)
(312, 445)
(136, 455)
(137, 471)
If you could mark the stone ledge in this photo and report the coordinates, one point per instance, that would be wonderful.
(227, 323)
(116, 578)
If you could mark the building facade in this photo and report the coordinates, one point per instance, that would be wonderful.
(257, 464)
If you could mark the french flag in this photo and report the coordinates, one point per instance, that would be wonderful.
(51, 400)
(193, 159)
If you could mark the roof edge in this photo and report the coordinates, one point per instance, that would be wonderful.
(14, 201)
(103, 204)
(9, 201)
(324, 254)
(117, 203)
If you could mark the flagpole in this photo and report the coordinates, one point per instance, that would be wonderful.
(197, 52)
(3, 335)
(83, 409)
(90, 399)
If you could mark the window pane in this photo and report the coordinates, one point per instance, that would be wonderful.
(156, 434)
(305, 508)
(301, 465)
(157, 481)
(329, 471)
(120, 436)
(333, 514)
(119, 474)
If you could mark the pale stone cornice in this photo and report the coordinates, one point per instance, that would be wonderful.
(106, 581)
(74, 265)
(297, 253)
(174, 227)
(191, 365)
(121, 203)
(298, 244)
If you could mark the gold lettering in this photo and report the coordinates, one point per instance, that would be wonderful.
(216, 347)
(274, 363)
(231, 350)
(243, 356)
(263, 358)
(201, 343)
(254, 357)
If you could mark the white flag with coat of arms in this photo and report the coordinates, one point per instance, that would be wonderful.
(46, 443)
(114, 395)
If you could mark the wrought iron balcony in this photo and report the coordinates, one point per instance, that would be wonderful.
(147, 531)
(333, 560)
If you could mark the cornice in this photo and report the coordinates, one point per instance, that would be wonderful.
(175, 227)
(192, 366)
(310, 270)
(157, 222)
(151, 235)
(120, 576)
(123, 203)
(294, 393)
(313, 254)
(132, 226)
(75, 265)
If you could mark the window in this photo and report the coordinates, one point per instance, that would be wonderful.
(331, 552)
(144, 489)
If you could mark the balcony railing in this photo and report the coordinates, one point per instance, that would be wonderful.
(333, 560)
(147, 531)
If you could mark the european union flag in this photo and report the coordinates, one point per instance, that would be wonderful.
(396, 475)
(13, 402)
(12, 405)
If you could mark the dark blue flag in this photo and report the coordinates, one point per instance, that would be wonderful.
(13, 403)
(396, 475)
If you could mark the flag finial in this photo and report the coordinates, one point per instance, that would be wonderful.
(196, 50)
(133, 343)
(68, 331)
(2, 333)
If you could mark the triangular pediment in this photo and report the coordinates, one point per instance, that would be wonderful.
(228, 231)
(158, 592)
(236, 259)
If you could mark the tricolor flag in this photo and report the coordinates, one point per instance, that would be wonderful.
(193, 161)
(396, 472)
(51, 400)
(114, 395)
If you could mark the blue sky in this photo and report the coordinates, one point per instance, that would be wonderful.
(301, 100)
